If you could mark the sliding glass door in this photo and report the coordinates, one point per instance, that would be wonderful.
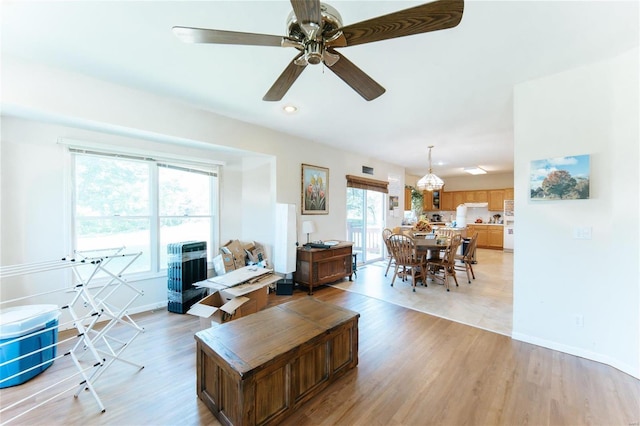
(365, 222)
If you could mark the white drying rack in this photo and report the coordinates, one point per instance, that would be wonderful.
(95, 349)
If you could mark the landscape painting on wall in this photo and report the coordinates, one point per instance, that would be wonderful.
(561, 178)
(315, 190)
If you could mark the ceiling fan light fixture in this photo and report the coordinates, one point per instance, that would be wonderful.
(475, 170)
(313, 52)
(430, 182)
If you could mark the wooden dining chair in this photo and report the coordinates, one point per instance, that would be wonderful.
(442, 269)
(386, 233)
(407, 261)
(445, 232)
(467, 258)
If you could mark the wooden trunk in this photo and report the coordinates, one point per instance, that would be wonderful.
(258, 369)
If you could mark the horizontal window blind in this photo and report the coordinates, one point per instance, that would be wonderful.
(188, 169)
(367, 183)
(185, 166)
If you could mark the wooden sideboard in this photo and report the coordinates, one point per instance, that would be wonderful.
(258, 369)
(316, 267)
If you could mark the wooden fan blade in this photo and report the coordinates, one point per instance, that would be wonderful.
(204, 35)
(438, 15)
(285, 81)
(356, 78)
(307, 11)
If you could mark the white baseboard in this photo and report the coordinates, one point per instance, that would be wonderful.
(581, 352)
(149, 307)
(135, 310)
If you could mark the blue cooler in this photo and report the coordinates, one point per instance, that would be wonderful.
(24, 330)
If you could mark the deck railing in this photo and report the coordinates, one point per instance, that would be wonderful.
(372, 236)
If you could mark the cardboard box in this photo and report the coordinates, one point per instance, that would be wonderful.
(216, 308)
(223, 263)
(230, 300)
(228, 303)
(218, 265)
(236, 250)
(256, 253)
(257, 293)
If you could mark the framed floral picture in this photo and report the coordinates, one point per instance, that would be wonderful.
(315, 189)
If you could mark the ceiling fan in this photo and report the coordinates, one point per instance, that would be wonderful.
(315, 30)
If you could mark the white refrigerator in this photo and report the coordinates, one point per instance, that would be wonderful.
(509, 221)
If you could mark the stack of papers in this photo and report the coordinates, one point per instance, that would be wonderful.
(236, 277)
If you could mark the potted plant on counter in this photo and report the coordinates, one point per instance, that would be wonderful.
(416, 201)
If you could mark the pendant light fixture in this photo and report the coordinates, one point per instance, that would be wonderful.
(430, 182)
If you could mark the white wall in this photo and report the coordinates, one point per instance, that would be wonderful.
(559, 280)
(262, 166)
(257, 208)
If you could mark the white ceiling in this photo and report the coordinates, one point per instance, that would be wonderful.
(452, 89)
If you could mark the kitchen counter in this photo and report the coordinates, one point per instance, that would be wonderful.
(490, 235)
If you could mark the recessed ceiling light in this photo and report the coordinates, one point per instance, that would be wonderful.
(475, 170)
(289, 109)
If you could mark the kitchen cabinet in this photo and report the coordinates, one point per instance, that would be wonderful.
(489, 236)
(476, 197)
(451, 200)
(497, 197)
(494, 237)
(496, 200)
(431, 200)
(469, 197)
(427, 201)
(407, 199)
(458, 198)
(446, 201)
(480, 196)
(483, 236)
(508, 194)
(436, 199)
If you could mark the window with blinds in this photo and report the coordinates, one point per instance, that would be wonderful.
(143, 204)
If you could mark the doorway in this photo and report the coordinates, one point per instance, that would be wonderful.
(365, 222)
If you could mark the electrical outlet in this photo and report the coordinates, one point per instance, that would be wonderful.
(579, 320)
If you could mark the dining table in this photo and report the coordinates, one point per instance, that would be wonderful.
(431, 247)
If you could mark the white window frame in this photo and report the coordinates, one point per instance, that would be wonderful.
(155, 162)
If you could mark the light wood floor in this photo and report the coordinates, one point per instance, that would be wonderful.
(414, 369)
